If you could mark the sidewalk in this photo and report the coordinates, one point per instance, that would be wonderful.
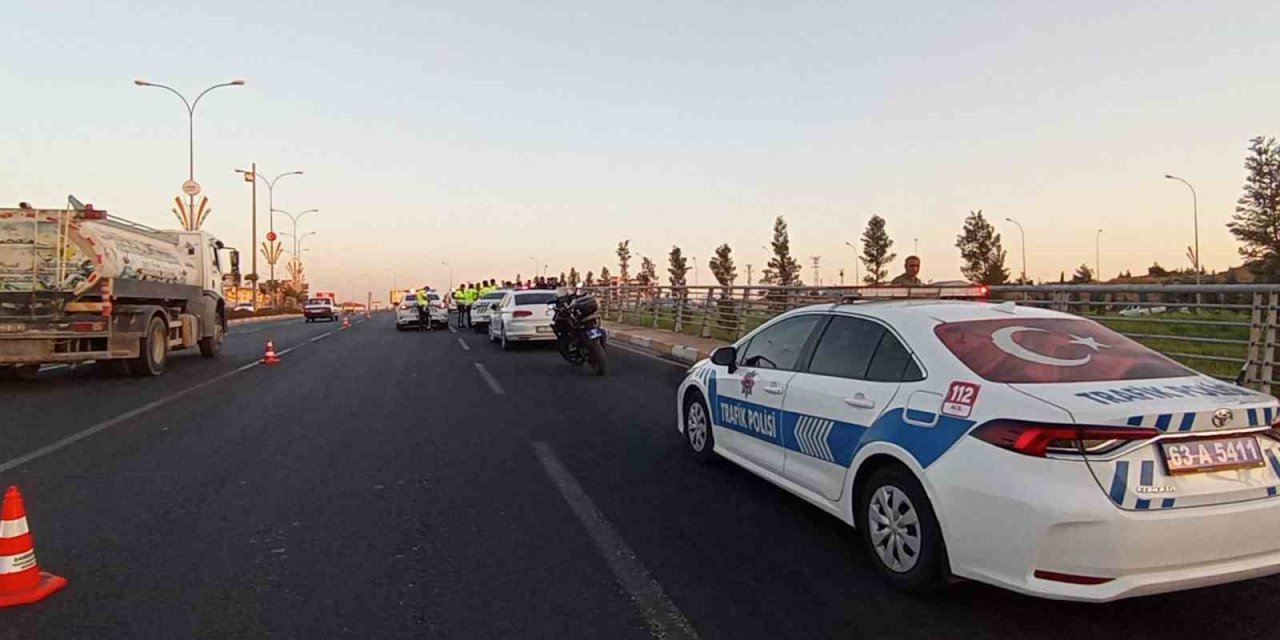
(661, 342)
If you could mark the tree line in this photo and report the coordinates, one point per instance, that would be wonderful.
(1255, 224)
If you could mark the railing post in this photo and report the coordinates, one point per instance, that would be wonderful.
(1254, 366)
(1269, 326)
(706, 311)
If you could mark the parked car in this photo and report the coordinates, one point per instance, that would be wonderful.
(480, 310)
(320, 308)
(407, 311)
(521, 316)
(1026, 448)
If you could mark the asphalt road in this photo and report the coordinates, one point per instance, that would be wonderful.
(379, 484)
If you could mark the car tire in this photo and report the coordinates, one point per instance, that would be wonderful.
(697, 428)
(154, 350)
(506, 346)
(904, 517)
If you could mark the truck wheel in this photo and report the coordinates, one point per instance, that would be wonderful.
(154, 350)
(212, 346)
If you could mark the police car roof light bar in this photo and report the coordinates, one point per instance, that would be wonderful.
(938, 293)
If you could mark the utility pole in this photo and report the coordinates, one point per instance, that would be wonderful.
(748, 275)
(817, 278)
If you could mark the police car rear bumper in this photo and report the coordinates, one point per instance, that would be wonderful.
(1006, 517)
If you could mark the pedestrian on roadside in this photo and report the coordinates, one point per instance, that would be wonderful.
(911, 274)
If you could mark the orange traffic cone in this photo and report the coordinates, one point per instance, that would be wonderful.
(270, 356)
(21, 580)
(346, 322)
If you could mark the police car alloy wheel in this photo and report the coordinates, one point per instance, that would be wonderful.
(697, 428)
(900, 531)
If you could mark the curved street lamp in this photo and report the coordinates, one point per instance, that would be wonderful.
(1023, 234)
(191, 125)
(1195, 218)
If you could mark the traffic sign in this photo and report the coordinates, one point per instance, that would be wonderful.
(191, 188)
(271, 236)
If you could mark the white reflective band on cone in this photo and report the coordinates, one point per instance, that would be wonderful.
(13, 528)
(20, 562)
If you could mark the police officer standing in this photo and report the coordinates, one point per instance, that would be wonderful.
(424, 309)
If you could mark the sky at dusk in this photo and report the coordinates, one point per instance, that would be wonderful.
(498, 136)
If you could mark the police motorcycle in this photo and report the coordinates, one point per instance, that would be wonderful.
(579, 336)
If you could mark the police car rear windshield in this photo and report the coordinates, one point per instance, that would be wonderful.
(493, 296)
(1032, 350)
(315, 301)
(535, 298)
(413, 298)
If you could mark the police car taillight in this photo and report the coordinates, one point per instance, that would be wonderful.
(1036, 439)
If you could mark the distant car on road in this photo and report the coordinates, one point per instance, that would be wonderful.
(1027, 448)
(320, 308)
(521, 316)
(480, 309)
(407, 311)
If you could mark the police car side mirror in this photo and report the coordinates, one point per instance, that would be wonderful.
(725, 357)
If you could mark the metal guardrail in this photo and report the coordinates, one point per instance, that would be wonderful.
(1226, 331)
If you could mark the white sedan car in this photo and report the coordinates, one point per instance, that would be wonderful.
(1026, 448)
(521, 316)
(480, 308)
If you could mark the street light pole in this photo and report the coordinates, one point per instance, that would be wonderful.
(271, 205)
(855, 264)
(535, 266)
(1023, 234)
(1195, 217)
(191, 127)
(447, 264)
(1097, 255)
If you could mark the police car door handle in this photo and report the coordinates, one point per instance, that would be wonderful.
(774, 388)
(860, 401)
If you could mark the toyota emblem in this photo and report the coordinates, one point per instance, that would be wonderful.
(1222, 418)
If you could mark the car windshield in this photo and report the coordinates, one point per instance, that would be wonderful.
(1031, 350)
(494, 295)
(535, 298)
(315, 301)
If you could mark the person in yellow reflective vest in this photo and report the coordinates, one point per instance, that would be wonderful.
(460, 302)
(424, 310)
(470, 297)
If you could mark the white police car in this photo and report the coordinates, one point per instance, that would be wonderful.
(1026, 448)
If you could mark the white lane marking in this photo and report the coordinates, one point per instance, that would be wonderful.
(107, 424)
(488, 377)
(682, 365)
(664, 617)
(51, 367)
(452, 330)
(321, 336)
(464, 345)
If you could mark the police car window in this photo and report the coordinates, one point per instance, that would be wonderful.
(1052, 350)
(493, 296)
(891, 360)
(846, 347)
(779, 346)
(535, 298)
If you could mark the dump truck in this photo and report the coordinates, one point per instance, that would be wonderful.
(79, 285)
